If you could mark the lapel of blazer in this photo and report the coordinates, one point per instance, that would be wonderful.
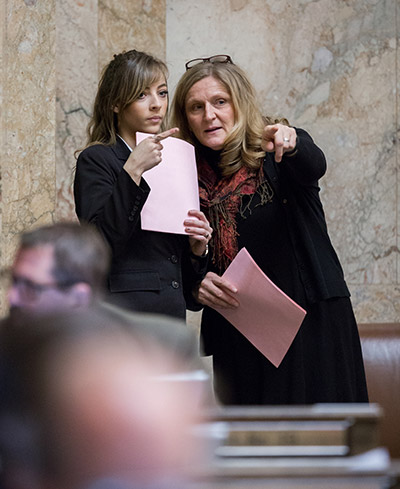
(121, 150)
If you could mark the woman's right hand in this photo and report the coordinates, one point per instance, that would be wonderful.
(146, 155)
(214, 291)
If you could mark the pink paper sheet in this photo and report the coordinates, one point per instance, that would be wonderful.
(174, 187)
(267, 317)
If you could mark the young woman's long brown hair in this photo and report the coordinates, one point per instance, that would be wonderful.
(123, 80)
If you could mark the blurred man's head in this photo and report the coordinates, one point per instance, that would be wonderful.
(58, 266)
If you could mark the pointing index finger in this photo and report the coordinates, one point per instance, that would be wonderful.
(269, 132)
(165, 134)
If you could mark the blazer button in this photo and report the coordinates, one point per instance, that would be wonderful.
(175, 284)
(174, 259)
(131, 218)
(284, 201)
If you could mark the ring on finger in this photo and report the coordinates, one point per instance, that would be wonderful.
(286, 140)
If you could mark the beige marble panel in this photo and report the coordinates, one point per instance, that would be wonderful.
(2, 117)
(28, 119)
(77, 78)
(330, 67)
(376, 303)
(131, 24)
(239, 28)
(356, 124)
(397, 108)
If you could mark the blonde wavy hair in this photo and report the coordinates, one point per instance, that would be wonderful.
(122, 81)
(242, 145)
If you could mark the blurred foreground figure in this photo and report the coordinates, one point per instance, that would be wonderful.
(100, 403)
(57, 267)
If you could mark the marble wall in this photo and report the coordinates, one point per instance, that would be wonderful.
(331, 67)
(27, 121)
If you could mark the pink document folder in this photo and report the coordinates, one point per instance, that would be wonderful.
(267, 317)
(174, 187)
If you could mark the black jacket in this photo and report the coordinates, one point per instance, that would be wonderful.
(150, 271)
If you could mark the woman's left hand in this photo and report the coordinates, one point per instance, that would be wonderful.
(199, 231)
(278, 138)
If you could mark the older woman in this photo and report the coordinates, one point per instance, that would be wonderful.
(258, 181)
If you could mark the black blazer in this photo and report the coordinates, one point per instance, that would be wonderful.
(150, 271)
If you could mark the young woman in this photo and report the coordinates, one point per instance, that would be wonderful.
(259, 188)
(150, 271)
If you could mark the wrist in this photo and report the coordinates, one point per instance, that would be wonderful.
(205, 253)
(133, 169)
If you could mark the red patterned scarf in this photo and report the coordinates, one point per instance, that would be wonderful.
(221, 199)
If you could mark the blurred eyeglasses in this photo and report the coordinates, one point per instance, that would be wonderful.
(218, 58)
(31, 291)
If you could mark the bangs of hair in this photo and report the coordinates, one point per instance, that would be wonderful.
(140, 77)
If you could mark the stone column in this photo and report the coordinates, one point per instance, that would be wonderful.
(28, 87)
